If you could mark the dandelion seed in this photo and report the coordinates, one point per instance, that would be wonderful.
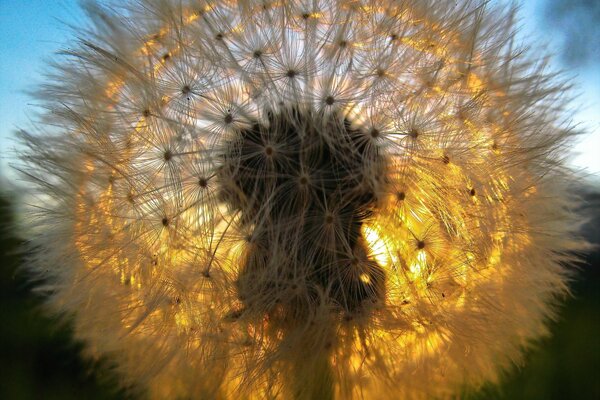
(307, 200)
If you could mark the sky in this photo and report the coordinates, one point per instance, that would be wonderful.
(31, 31)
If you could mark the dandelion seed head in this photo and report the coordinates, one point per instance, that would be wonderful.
(324, 199)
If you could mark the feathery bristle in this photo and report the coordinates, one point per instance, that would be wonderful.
(302, 199)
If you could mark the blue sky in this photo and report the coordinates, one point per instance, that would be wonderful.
(32, 30)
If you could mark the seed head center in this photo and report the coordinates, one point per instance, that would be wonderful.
(336, 159)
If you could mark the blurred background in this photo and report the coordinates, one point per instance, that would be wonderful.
(39, 361)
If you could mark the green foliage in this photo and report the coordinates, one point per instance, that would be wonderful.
(39, 360)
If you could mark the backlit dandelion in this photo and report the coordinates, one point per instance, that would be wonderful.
(305, 199)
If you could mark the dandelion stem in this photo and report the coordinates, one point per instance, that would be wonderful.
(313, 378)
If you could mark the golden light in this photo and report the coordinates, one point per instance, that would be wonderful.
(299, 200)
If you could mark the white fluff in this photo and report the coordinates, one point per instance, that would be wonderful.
(194, 286)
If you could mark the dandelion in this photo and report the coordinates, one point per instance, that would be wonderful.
(305, 199)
